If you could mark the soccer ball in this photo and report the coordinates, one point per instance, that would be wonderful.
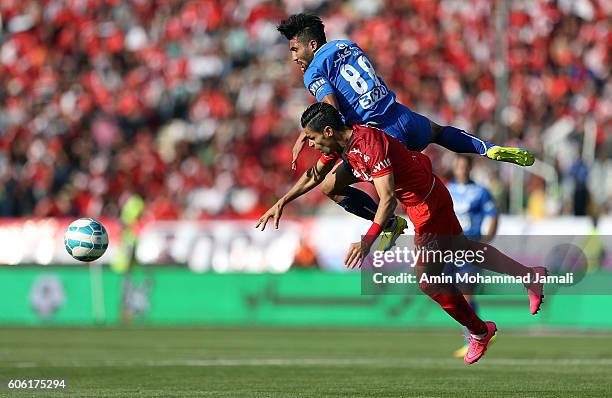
(86, 239)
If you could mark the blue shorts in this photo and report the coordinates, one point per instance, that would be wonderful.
(410, 128)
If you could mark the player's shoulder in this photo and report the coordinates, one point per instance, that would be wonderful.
(336, 45)
(484, 191)
(366, 132)
(478, 187)
(324, 56)
(452, 184)
(469, 188)
(477, 190)
(341, 44)
(312, 74)
(458, 190)
(368, 137)
(334, 51)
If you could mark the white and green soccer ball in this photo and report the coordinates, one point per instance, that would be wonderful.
(86, 239)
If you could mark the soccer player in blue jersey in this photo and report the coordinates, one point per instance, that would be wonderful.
(339, 73)
(477, 214)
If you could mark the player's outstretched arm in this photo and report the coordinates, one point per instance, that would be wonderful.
(387, 203)
(310, 179)
(330, 99)
(299, 143)
(386, 206)
(297, 149)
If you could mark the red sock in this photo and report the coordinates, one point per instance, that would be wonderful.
(460, 310)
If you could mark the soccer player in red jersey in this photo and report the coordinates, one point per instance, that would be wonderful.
(399, 174)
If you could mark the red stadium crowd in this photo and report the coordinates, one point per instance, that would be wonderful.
(194, 105)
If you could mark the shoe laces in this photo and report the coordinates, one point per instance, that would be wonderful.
(475, 344)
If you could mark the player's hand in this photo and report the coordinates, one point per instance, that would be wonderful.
(297, 149)
(356, 254)
(275, 211)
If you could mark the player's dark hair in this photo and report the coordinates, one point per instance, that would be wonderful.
(305, 27)
(321, 114)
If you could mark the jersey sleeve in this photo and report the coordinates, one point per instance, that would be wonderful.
(376, 155)
(487, 204)
(317, 83)
(331, 158)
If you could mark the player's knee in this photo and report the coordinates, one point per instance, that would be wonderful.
(427, 288)
(469, 244)
(336, 198)
(328, 189)
(436, 293)
(436, 129)
(332, 195)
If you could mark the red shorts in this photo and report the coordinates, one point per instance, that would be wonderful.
(435, 215)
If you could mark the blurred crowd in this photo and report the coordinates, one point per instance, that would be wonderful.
(194, 105)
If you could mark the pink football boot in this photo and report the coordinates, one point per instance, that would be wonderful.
(536, 291)
(478, 347)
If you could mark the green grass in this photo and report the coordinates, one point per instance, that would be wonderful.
(301, 363)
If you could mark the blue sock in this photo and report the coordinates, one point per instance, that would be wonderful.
(359, 203)
(461, 142)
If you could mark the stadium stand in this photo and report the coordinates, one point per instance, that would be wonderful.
(195, 105)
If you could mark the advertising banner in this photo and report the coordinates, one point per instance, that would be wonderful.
(41, 241)
(176, 296)
(236, 246)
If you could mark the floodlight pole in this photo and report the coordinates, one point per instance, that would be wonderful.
(502, 8)
(501, 69)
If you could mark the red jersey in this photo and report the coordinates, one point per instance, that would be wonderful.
(372, 153)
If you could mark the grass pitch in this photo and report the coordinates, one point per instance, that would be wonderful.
(301, 363)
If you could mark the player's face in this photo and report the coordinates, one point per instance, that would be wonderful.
(323, 142)
(461, 171)
(302, 53)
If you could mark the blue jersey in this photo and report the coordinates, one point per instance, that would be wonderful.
(472, 203)
(341, 68)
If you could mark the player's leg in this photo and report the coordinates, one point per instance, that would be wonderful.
(454, 303)
(337, 187)
(494, 259)
(437, 230)
(460, 141)
(417, 131)
(443, 221)
(467, 289)
(497, 261)
(449, 298)
(461, 351)
(455, 139)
